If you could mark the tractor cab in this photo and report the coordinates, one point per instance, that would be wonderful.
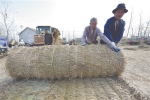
(41, 29)
(43, 35)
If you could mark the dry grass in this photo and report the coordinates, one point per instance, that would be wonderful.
(75, 89)
(57, 62)
(56, 37)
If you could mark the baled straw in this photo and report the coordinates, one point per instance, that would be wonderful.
(57, 62)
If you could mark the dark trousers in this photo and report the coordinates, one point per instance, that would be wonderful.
(95, 42)
(48, 39)
(102, 42)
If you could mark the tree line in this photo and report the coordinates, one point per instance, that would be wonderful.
(141, 30)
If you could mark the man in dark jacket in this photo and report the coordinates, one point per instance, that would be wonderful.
(114, 27)
(48, 38)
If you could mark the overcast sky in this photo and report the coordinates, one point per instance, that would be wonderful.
(74, 14)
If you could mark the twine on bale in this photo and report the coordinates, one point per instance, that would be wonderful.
(58, 62)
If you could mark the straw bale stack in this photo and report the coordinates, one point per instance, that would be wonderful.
(56, 36)
(58, 62)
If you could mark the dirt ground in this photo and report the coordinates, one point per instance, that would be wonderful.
(137, 71)
(4, 78)
(136, 75)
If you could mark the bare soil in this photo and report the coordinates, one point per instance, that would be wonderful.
(4, 78)
(137, 71)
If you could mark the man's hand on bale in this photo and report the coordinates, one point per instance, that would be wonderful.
(113, 47)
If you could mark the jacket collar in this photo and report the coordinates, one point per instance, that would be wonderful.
(114, 19)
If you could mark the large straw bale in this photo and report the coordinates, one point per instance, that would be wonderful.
(57, 62)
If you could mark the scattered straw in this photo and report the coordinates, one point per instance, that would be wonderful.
(74, 89)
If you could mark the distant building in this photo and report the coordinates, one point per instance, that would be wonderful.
(27, 35)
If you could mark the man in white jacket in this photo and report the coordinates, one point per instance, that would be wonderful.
(92, 32)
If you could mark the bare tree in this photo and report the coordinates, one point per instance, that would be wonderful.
(130, 23)
(132, 31)
(140, 25)
(141, 30)
(0, 31)
(148, 33)
(146, 28)
(73, 35)
(8, 19)
(69, 36)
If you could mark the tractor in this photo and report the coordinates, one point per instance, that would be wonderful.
(40, 37)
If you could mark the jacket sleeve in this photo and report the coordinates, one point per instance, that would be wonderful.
(118, 38)
(103, 37)
(84, 36)
(107, 31)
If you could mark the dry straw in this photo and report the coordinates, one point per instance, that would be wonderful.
(75, 89)
(58, 62)
(56, 37)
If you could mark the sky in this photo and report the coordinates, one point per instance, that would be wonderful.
(74, 15)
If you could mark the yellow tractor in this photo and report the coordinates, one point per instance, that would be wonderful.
(40, 37)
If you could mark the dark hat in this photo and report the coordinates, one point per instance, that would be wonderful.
(120, 6)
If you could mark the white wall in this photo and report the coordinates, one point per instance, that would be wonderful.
(27, 36)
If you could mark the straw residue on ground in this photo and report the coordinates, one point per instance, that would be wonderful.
(75, 89)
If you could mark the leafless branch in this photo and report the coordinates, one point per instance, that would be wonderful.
(146, 27)
(140, 25)
(130, 23)
(5, 13)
